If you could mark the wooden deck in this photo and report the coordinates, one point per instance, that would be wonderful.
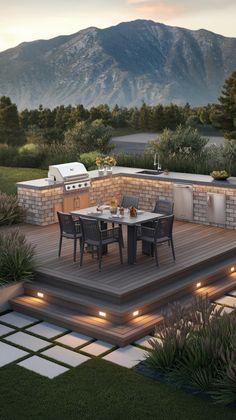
(76, 295)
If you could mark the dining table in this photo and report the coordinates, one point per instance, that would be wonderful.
(104, 215)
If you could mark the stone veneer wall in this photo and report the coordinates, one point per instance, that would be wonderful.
(149, 190)
(40, 205)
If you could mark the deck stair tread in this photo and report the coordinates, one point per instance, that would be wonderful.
(102, 328)
(205, 272)
(150, 300)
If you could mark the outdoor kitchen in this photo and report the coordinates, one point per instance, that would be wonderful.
(197, 198)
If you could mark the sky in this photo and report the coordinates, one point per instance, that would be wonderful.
(28, 20)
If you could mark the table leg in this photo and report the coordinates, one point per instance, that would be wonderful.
(131, 248)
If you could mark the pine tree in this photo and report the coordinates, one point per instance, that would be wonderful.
(228, 101)
(10, 131)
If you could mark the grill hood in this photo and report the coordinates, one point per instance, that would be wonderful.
(74, 175)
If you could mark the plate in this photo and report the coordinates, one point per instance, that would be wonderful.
(140, 211)
(115, 216)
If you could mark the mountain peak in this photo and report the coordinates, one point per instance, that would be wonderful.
(129, 63)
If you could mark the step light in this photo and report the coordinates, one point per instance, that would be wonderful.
(40, 295)
(103, 314)
(232, 269)
(198, 285)
(135, 313)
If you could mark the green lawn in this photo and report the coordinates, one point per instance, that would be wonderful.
(9, 177)
(98, 390)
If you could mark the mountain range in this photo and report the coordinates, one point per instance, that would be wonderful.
(124, 64)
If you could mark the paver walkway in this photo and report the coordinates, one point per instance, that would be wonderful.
(50, 350)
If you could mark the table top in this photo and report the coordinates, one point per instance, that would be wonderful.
(106, 216)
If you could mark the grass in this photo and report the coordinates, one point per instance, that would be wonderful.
(97, 390)
(9, 177)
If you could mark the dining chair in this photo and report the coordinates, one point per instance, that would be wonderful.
(128, 201)
(159, 234)
(165, 207)
(69, 229)
(94, 236)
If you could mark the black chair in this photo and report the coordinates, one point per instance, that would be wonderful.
(129, 201)
(165, 207)
(69, 229)
(159, 234)
(94, 236)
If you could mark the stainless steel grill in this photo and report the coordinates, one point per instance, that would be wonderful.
(74, 175)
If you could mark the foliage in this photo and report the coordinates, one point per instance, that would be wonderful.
(10, 130)
(89, 159)
(198, 349)
(10, 212)
(16, 257)
(228, 101)
(181, 143)
(90, 136)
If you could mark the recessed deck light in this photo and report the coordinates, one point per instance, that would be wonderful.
(232, 269)
(40, 294)
(135, 313)
(103, 314)
(198, 284)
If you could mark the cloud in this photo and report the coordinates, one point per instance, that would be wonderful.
(172, 8)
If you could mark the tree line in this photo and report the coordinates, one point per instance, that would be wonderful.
(92, 128)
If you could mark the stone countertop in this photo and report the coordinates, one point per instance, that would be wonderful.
(175, 177)
(39, 184)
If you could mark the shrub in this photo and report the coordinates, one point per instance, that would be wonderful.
(10, 212)
(16, 257)
(198, 349)
(89, 160)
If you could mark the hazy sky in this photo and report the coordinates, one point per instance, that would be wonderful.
(27, 20)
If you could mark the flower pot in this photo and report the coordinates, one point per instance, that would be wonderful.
(109, 170)
(101, 171)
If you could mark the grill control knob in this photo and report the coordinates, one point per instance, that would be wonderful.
(79, 185)
(85, 184)
(73, 186)
(68, 187)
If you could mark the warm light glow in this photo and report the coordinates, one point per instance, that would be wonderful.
(103, 314)
(232, 269)
(40, 294)
(198, 284)
(135, 313)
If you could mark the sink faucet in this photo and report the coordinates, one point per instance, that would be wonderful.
(156, 162)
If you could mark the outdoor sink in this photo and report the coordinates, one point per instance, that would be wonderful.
(150, 172)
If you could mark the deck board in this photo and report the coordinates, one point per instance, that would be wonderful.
(194, 244)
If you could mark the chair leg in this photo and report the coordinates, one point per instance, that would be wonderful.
(156, 255)
(100, 257)
(60, 243)
(120, 249)
(75, 248)
(81, 253)
(173, 250)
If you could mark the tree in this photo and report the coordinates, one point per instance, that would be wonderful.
(90, 136)
(228, 101)
(183, 143)
(10, 131)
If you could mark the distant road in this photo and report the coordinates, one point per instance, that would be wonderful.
(137, 143)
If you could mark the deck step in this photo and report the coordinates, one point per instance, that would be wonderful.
(105, 329)
(206, 271)
(121, 313)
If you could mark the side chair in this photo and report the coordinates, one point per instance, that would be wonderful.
(93, 235)
(69, 229)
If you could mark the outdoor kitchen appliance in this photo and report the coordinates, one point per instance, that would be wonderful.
(73, 175)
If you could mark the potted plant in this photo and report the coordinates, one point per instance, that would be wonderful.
(100, 164)
(109, 162)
